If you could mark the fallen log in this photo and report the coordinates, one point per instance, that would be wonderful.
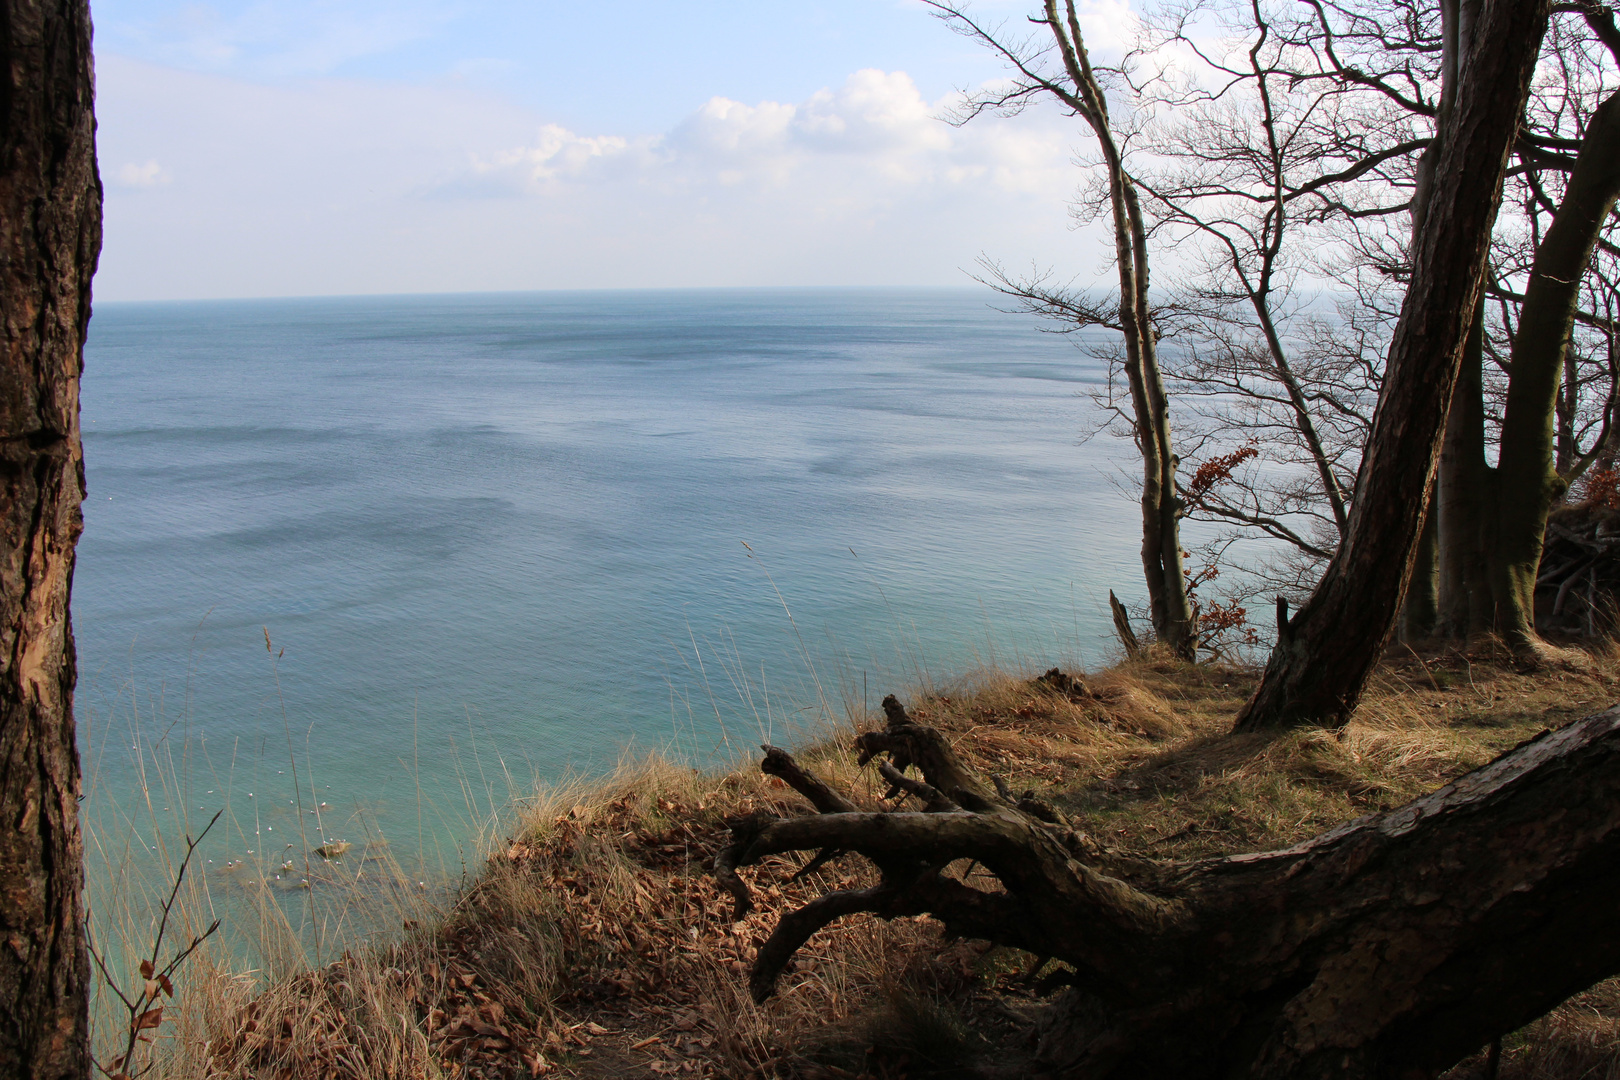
(1392, 946)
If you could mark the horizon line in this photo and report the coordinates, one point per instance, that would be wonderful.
(446, 294)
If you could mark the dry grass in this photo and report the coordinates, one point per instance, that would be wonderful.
(595, 943)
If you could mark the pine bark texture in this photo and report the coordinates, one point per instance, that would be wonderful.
(50, 236)
(1317, 672)
(1392, 946)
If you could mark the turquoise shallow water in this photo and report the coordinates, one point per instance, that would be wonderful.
(503, 535)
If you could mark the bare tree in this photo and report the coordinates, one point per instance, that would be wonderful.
(1254, 155)
(1571, 145)
(1478, 567)
(1326, 652)
(1055, 65)
(1301, 141)
(1263, 167)
(50, 235)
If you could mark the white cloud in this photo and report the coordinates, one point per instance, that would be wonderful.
(873, 111)
(349, 187)
(1109, 26)
(727, 128)
(558, 154)
(148, 175)
(874, 131)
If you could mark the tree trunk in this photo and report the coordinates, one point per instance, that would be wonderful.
(1527, 479)
(1392, 946)
(1421, 615)
(1168, 603)
(50, 235)
(1463, 499)
(1568, 404)
(1077, 89)
(1162, 564)
(1317, 676)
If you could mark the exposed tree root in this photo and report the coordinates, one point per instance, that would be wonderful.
(1391, 946)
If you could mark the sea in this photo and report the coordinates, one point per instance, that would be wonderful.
(367, 570)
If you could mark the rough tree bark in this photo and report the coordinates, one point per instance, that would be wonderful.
(1421, 616)
(50, 236)
(1392, 946)
(1318, 669)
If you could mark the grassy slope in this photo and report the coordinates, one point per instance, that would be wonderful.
(597, 945)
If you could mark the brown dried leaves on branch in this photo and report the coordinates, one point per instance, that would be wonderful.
(1216, 471)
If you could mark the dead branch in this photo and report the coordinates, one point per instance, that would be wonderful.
(1403, 940)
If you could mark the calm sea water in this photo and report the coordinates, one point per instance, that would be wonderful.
(503, 535)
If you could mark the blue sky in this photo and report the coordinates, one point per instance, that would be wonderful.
(351, 146)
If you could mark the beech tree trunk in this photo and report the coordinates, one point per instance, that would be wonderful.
(1071, 81)
(1527, 476)
(50, 236)
(1392, 946)
(1164, 572)
(1319, 667)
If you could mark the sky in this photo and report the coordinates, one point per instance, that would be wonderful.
(340, 147)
